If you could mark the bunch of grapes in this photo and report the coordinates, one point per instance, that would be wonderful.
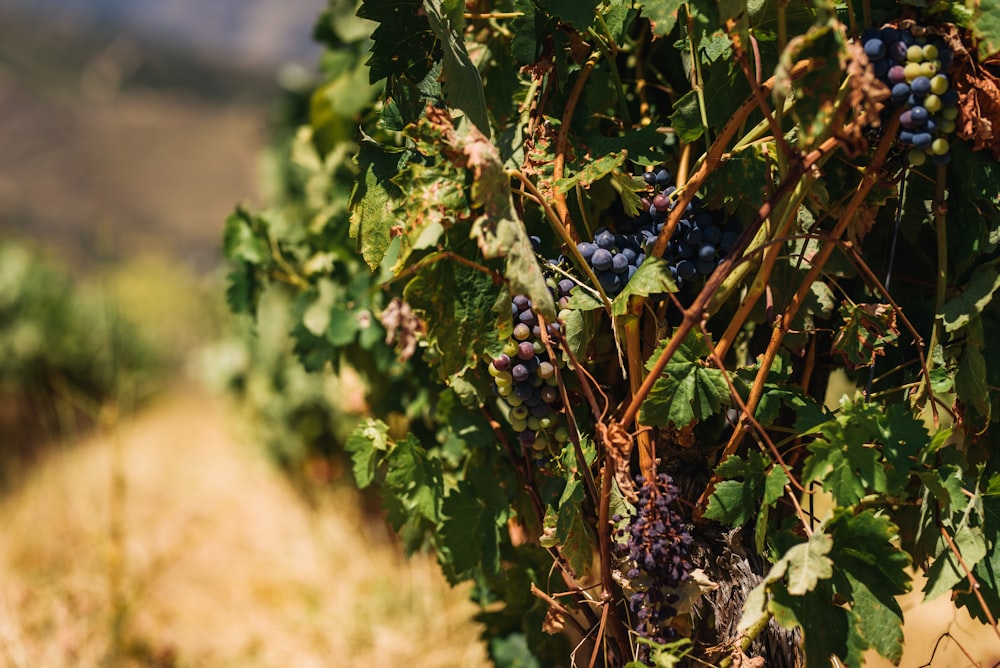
(698, 245)
(916, 70)
(525, 377)
(655, 549)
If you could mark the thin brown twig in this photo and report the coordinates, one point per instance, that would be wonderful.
(973, 583)
(559, 163)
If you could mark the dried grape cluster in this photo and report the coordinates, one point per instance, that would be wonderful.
(697, 246)
(525, 377)
(916, 70)
(655, 551)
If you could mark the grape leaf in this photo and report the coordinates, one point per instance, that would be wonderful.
(594, 170)
(686, 118)
(946, 571)
(688, 390)
(573, 533)
(974, 299)
(369, 438)
(470, 531)
(457, 302)
(867, 330)
(463, 85)
(807, 563)
(734, 502)
(374, 199)
(403, 42)
(662, 14)
(880, 626)
(652, 277)
(985, 25)
(826, 628)
(414, 484)
(643, 146)
(971, 382)
(579, 13)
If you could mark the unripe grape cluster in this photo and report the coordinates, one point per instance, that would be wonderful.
(916, 70)
(698, 245)
(654, 550)
(524, 376)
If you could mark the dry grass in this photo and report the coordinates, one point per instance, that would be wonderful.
(221, 564)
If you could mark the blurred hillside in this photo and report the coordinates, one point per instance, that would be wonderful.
(119, 143)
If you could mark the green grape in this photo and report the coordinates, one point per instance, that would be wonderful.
(939, 84)
(916, 157)
(939, 146)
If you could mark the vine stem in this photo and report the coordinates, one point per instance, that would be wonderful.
(868, 180)
(559, 164)
(713, 157)
(695, 313)
(941, 286)
(973, 582)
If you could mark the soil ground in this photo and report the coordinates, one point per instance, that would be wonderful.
(166, 540)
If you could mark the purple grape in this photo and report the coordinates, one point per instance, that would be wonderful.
(897, 75)
(586, 249)
(921, 86)
(601, 259)
(565, 286)
(502, 362)
(521, 302)
(707, 252)
(686, 270)
(520, 373)
(619, 264)
(919, 115)
(525, 350)
(662, 178)
(605, 239)
(922, 140)
(875, 48)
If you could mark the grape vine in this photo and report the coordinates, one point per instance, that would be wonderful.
(675, 313)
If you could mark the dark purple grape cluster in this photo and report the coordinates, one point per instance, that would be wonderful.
(916, 70)
(698, 245)
(655, 556)
(702, 237)
(525, 377)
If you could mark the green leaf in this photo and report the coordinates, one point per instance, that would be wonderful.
(578, 13)
(244, 237)
(662, 14)
(688, 390)
(651, 278)
(946, 571)
(865, 546)
(457, 302)
(594, 170)
(734, 503)
(880, 625)
(374, 200)
(643, 146)
(867, 330)
(686, 118)
(977, 295)
(573, 532)
(369, 438)
(414, 485)
(403, 43)
(462, 83)
(807, 563)
(826, 629)
(985, 25)
(473, 516)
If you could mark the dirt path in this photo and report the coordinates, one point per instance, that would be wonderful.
(219, 562)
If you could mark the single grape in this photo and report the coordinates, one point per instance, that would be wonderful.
(921, 86)
(502, 362)
(711, 234)
(520, 373)
(619, 264)
(705, 267)
(649, 178)
(875, 48)
(905, 136)
(728, 241)
(707, 252)
(897, 52)
(661, 203)
(916, 157)
(605, 239)
(919, 114)
(521, 332)
(930, 52)
(939, 84)
(601, 259)
(896, 74)
(686, 270)
(922, 140)
(586, 249)
(565, 286)
(939, 146)
(525, 350)
(932, 103)
(900, 92)
(915, 53)
(911, 71)
(662, 178)
(949, 113)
